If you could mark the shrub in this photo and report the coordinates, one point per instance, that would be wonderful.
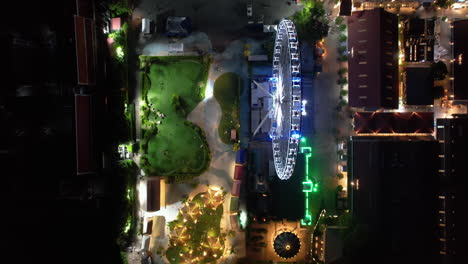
(438, 92)
(194, 184)
(341, 49)
(342, 103)
(342, 38)
(140, 228)
(344, 92)
(342, 27)
(235, 146)
(123, 257)
(342, 71)
(340, 175)
(179, 104)
(339, 20)
(339, 188)
(343, 58)
(439, 70)
(343, 81)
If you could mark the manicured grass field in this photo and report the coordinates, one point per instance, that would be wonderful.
(175, 147)
(226, 91)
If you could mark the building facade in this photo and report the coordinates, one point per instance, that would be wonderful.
(373, 59)
(460, 69)
(393, 187)
(453, 142)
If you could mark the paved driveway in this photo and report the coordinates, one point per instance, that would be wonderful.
(223, 20)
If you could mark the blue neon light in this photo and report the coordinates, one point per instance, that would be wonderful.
(295, 135)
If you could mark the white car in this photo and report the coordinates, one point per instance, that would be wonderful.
(249, 10)
(342, 146)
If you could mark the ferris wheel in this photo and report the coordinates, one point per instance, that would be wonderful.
(285, 130)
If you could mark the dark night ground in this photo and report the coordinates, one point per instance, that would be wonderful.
(40, 228)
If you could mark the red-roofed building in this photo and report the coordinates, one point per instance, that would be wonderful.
(393, 123)
(460, 53)
(85, 36)
(153, 195)
(84, 134)
(382, 122)
(116, 23)
(361, 122)
(403, 123)
(84, 8)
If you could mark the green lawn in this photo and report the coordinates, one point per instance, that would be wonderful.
(173, 86)
(227, 91)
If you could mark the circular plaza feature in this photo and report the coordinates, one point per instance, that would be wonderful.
(287, 245)
(285, 130)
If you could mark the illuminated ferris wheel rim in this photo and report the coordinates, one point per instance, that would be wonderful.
(287, 103)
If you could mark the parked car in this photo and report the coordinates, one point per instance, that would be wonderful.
(343, 168)
(249, 10)
(146, 26)
(343, 157)
(342, 146)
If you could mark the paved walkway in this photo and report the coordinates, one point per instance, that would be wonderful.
(326, 95)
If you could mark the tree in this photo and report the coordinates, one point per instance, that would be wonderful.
(344, 92)
(439, 70)
(310, 22)
(340, 176)
(444, 3)
(438, 92)
(119, 7)
(268, 48)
